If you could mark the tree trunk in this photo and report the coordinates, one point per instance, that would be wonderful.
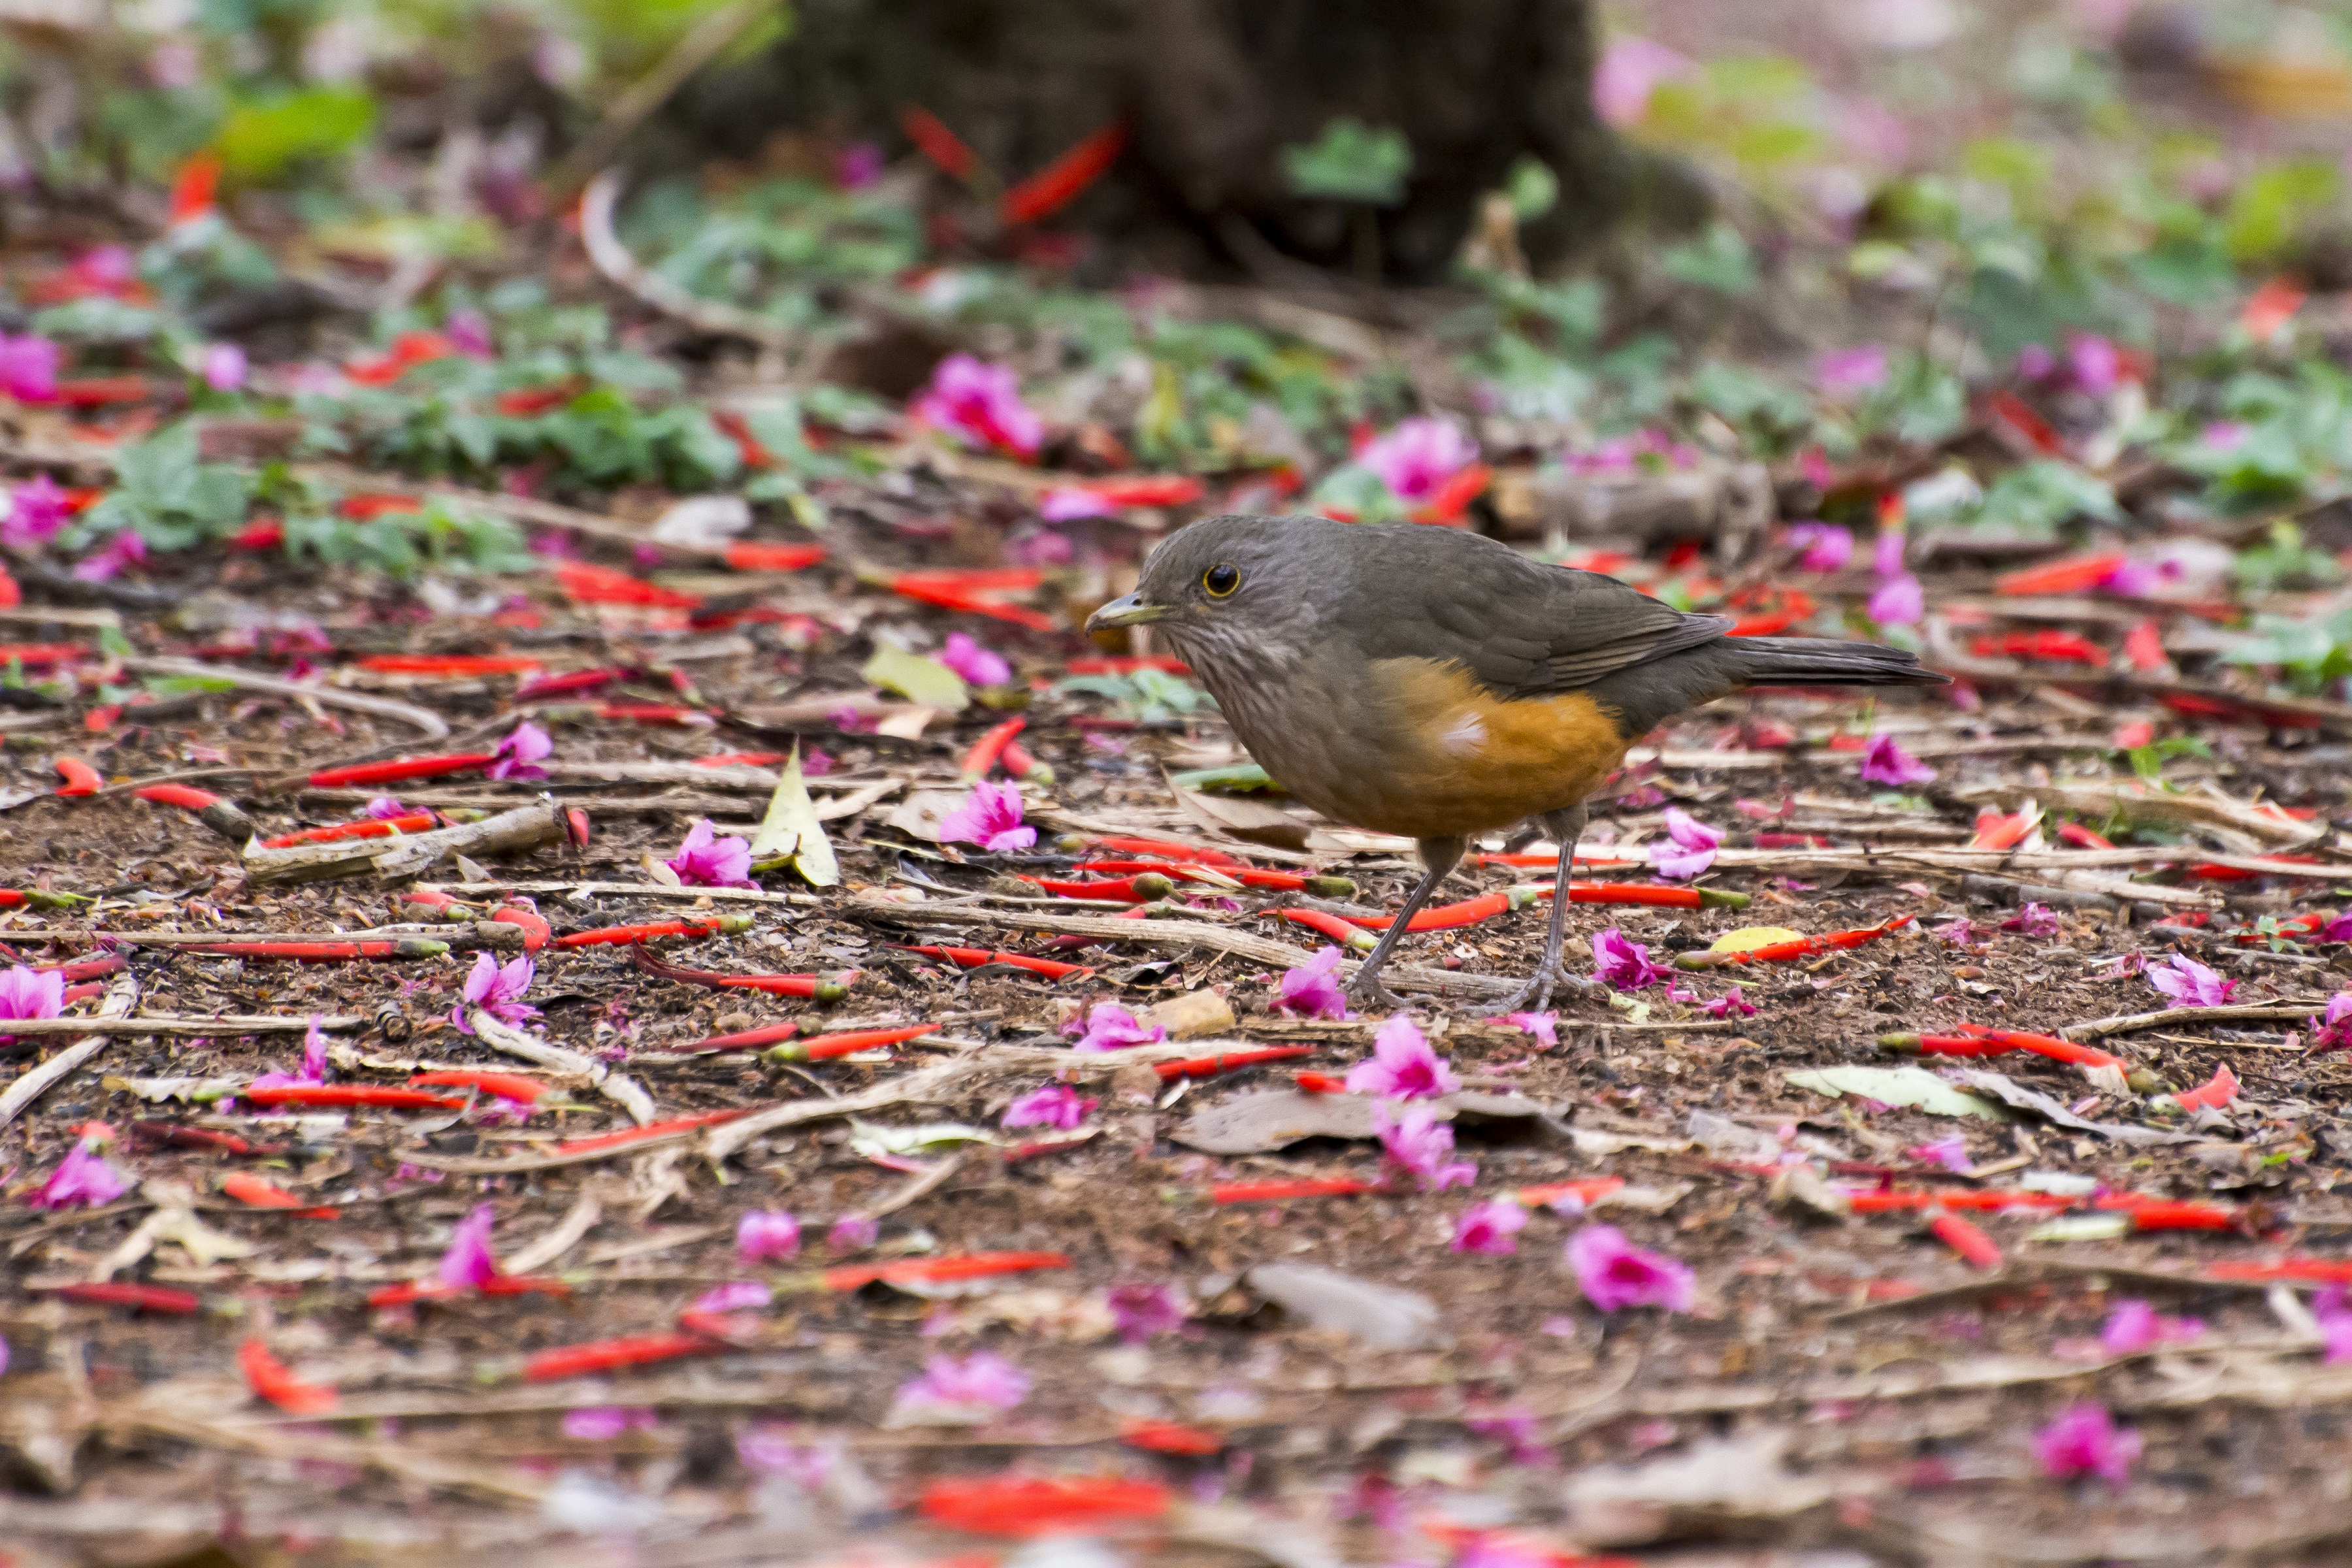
(1213, 91)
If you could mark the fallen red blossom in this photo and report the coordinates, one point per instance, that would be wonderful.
(975, 957)
(140, 1297)
(1034, 1505)
(2216, 1091)
(1230, 1061)
(690, 931)
(2073, 575)
(746, 557)
(1967, 1240)
(80, 777)
(366, 828)
(2294, 1270)
(1172, 1437)
(1588, 1192)
(629, 1135)
(399, 770)
(321, 952)
(1803, 947)
(505, 1085)
(939, 1271)
(250, 1189)
(826, 1048)
(611, 1355)
(435, 1291)
(1061, 182)
(985, 752)
(817, 987)
(937, 142)
(1896, 1200)
(587, 584)
(268, 1377)
(349, 1095)
(449, 664)
(1277, 1192)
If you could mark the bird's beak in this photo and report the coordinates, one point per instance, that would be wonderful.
(1134, 610)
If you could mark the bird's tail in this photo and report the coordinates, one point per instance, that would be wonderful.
(1822, 661)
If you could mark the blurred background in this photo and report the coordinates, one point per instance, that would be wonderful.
(1586, 225)
(1248, 135)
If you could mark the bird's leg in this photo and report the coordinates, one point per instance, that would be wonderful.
(1440, 856)
(1552, 975)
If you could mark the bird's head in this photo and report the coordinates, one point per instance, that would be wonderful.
(1232, 581)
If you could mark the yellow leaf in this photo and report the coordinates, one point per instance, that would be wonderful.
(917, 678)
(791, 828)
(1748, 939)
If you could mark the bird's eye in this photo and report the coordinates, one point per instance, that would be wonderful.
(1222, 579)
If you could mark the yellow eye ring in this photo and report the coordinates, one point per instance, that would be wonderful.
(1219, 580)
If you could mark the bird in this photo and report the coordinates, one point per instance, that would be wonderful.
(1429, 681)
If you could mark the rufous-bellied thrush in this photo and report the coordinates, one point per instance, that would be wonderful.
(1430, 682)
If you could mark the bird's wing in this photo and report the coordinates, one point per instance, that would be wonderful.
(1525, 629)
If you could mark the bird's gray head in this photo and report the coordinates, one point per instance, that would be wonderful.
(1235, 590)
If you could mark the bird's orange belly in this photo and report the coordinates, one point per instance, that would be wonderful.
(1423, 750)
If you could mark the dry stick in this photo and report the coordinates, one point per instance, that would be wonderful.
(921, 1187)
(2100, 798)
(119, 996)
(526, 828)
(465, 933)
(158, 1024)
(930, 1082)
(193, 1422)
(423, 719)
(624, 890)
(675, 805)
(618, 1087)
(708, 39)
(567, 1235)
(2131, 1022)
(1161, 933)
(518, 1164)
(621, 269)
(926, 1085)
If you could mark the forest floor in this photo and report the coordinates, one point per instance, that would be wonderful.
(328, 1239)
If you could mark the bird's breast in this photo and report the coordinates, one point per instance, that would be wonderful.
(1417, 747)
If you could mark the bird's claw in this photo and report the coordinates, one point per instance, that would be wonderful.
(1368, 994)
(1532, 996)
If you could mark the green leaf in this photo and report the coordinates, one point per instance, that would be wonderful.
(1350, 162)
(262, 136)
(1533, 188)
(2033, 499)
(1238, 776)
(1720, 260)
(1908, 1086)
(2267, 212)
(2283, 561)
(2021, 167)
(917, 678)
(871, 1139)
(791, 828)
(2083, 1228)
(100, 319)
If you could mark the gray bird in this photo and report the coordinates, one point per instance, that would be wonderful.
(1430, 682)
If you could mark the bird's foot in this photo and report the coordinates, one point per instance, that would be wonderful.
(1533, 996)
(1368, 994)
